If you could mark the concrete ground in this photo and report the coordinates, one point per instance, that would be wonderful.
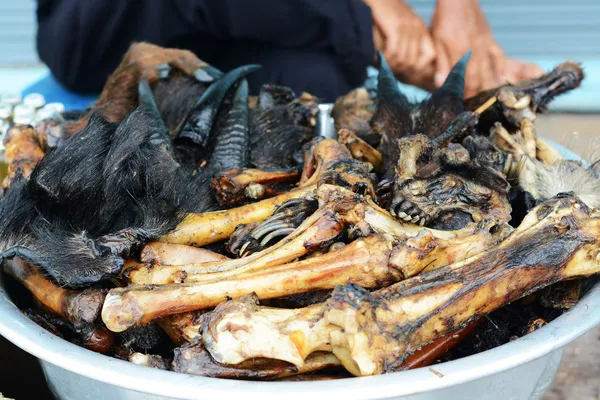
(22, 379)
(579, 372)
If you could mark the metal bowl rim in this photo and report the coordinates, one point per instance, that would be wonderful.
(30, 337)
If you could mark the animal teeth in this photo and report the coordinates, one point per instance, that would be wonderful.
(522, 103)
(405, 216)
(422, 222)
(406, 206)
(415, 219)
(243, 249)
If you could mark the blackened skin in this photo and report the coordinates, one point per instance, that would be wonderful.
(91, 201)
(396, 117)
(141, 339)
(278, 130)
(199, 123)
(353, 111)
(447, 187)
(522, 202)
(176, 97)
(193, 359)
(542, 90)
(93, 337)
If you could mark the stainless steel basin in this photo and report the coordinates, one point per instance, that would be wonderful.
(520, 370)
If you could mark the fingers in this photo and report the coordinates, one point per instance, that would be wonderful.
(392, 47)
(442, 67)
(412, 51)
(487, 79)
(472, 78)
(378, 39)
(427, 51)
(529, 71)
(498, 63)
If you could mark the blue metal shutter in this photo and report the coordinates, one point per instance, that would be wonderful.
(17, 32)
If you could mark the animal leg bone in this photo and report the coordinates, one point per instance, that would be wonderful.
(374, 333)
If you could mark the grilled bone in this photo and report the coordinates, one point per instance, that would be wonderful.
(236, 186)
(177, 254)
(366, 262)
(23, 152)
(77, 307)
(327, 162)
(340, 208)
(525, 99)
(373, 333)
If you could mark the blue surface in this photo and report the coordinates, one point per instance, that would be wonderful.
(55, 92)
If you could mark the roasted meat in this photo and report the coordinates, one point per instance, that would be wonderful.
(181, 223)
(375, 333)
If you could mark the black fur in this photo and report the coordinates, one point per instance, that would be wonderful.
(278, 129)
(102, 193)
(396, 117)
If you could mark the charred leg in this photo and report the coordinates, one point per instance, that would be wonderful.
(283, 222)
(177, 254)
(237, 186)
(202, 229)
(77, 307)
(375, 333)
(320, 229)
(23, 152)
(526, 98)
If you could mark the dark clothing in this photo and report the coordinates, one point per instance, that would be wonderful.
(321, 46)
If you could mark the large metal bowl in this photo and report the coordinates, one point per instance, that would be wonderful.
(520, 370)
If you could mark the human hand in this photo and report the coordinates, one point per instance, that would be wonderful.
(516, 70)
(401, 36)
(459, 26)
